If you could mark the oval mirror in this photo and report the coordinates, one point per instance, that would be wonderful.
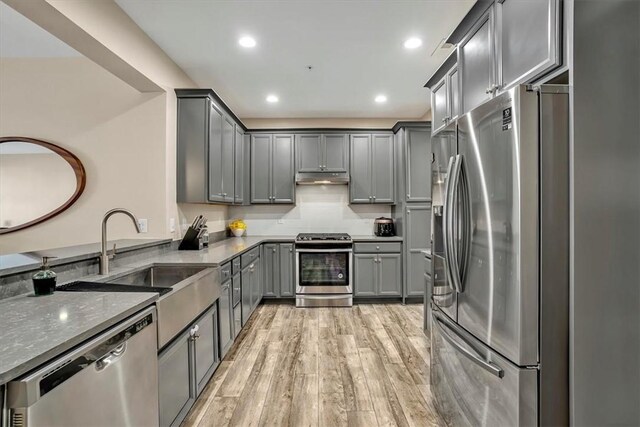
(38, 180)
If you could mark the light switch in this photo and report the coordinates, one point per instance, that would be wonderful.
(281, 221)
(143, 224)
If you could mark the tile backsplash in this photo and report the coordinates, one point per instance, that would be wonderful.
(318, 209)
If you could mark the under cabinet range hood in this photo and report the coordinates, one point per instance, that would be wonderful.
(317, 178)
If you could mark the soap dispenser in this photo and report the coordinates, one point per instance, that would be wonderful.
(44, 281)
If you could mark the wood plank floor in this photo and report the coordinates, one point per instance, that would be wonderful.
(362, 366)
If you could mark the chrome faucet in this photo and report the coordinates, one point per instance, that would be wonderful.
(104, 257)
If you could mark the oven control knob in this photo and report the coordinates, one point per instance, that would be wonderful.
(340, 276)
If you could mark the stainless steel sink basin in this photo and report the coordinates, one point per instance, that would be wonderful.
(194, 289)
(162, 276)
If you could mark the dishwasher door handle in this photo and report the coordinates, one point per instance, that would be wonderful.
(112, 357)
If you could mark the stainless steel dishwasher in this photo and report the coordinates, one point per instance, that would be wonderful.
(110, 380)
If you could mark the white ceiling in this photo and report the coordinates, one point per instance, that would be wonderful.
(355, 48)
(21, 38)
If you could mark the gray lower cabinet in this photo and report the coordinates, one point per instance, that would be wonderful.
(272, 169)
(417, 240)
(246, 293)
(417, 164)
(271, 269)
(390, 275)
(205, 339)
(277, 266)
(175, 381)
(372, 168)
(226, 319)
(237, 320)
(185, 367)
(287, 274)
(377, 275)
(256, 283)
(364, 273)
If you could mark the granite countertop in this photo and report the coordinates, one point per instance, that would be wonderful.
(19, 263)
(37, 329)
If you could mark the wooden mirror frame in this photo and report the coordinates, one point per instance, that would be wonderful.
(78, 170)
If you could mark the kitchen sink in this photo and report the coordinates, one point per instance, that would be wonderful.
(157, 276)
(193, 290)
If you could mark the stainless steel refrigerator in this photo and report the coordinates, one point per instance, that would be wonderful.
(500, 299)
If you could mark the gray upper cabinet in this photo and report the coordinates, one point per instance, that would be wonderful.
(221, 159)
(383, 161)
(192, 158)
(418, 160)
(372, 169)
(335, 150)
(453, 80)
(529, 39)
(418, 239)
(261, 168)
(477, 62)
(308, 153)
(283, 174)
(227, 160)
(241, 155)
(445, 100)
(287, 288)
(215, 154)
(360, 169)
(322, 152)
(208, 162)
(440, 105)
(272, 168)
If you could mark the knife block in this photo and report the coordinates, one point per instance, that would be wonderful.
(190, 241)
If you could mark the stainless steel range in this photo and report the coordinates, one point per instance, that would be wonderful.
(324, 275)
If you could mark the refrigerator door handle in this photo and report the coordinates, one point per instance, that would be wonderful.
(446, 213)
(475, 358)
(452, 226)
(467, 226)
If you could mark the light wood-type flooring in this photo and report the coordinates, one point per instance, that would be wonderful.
(362, 366)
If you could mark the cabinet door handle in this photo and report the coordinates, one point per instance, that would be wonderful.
(374, 197)
(408, 195)
(378, 248)
(290, 250)
(444, 119)
(408, 211)
(274, 249)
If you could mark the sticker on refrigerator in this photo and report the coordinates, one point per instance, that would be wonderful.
(506, 119)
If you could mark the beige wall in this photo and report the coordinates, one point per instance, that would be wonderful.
(32, 185)
(118, 133)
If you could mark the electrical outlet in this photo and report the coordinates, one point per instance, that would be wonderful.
(172, 225)
(143, 224)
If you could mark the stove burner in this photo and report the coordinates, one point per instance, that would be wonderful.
(307, 237)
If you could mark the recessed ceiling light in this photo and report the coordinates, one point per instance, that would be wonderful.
(381, 99)
(247, 41)
(272, 99)
(412, 43)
